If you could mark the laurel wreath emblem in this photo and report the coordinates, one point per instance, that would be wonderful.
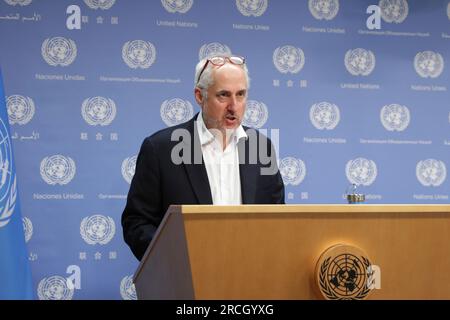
(54, 288)
(92, 117)
(127, 288)
(328, 291)
(8, 210)
(18, 2)
(248, 10)
(94, 239)
(61, 61)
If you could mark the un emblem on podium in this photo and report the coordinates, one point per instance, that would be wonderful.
(343, 272)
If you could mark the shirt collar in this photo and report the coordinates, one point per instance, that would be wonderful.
(206, 136)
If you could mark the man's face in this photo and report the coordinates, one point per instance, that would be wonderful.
(224, 106)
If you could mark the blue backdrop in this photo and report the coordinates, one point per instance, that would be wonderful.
(347, 98)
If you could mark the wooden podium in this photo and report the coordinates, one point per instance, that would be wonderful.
(271, 252)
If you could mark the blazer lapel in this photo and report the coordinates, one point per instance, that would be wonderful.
(247, 173)
(196, 170)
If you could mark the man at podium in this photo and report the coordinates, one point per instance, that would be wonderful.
(210, 159)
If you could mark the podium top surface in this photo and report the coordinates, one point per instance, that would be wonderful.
(314, 208)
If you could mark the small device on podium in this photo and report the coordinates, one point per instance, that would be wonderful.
(353, 196)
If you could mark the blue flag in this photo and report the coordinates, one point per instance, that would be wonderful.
(15, 274)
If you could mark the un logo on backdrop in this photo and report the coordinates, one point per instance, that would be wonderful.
(100, 4)
(128, 168)
(18, 2)
(54, 288)
(292, 170)
(176, 111)
(323, 9)
(127, 288)
(98, 111)
(448, 10)
(138, 54)
(256, 114)
(252, 7)
(361, 171)
(97, 229)
(359, 61)
(213, 49)
(20, 109)
(393, 10)
(181, 6)
(324, 115)
(431, 172)
(288, 59)
(395, 117)
(27, 228)
(8, 190)
(59, 51)
(57, 169)
(429, 64)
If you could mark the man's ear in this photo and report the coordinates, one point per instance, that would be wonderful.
(198, 96)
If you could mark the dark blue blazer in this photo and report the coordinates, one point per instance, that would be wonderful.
(158, 182)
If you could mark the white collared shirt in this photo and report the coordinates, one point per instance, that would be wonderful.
(222, 166)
